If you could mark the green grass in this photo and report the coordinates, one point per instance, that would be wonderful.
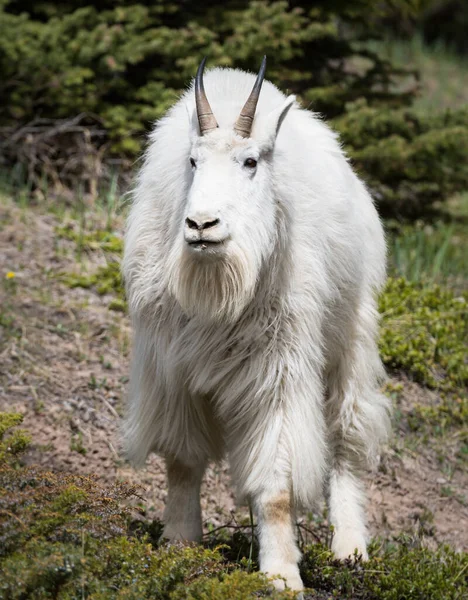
(443, 74)
(106, 207)
(432, 251)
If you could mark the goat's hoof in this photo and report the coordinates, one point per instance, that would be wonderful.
(296, 586)
(349, 545)
(289, 578)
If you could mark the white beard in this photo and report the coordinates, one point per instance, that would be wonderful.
(211, 287)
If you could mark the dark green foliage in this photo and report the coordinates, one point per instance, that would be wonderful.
(128, 63)
(409, 160)
(447, 21)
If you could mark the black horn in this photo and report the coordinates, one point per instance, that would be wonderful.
(243, 125)
(206, 118)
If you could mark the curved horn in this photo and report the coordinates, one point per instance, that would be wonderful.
(243, 125)
(206, 118)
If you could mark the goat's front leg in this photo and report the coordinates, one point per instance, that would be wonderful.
(277, 461)
(279, 554)
(182, 515)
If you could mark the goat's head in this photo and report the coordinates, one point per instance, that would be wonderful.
(229, 224)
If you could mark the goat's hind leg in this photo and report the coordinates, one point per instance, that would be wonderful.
(346, 503)
(182, 515)
(358, 422)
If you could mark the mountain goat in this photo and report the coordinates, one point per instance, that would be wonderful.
(253, 254)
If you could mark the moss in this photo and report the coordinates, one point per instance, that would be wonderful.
(12, 443)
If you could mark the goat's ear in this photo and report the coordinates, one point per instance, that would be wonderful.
(269, 127)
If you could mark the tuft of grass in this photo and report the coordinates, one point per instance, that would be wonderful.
(98, 239)
(77, 445)
(13, 441)
(106, 280)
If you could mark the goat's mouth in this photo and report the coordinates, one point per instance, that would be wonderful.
(203, 244)
(206, 246)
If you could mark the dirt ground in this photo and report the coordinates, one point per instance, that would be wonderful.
(64, 364)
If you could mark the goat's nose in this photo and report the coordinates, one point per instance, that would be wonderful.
(201, 223)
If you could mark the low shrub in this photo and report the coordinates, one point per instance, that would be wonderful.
(403, 569)
(409, 160)
(67, 536)
(423, 332)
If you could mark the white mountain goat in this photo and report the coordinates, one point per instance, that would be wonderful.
(253, 254)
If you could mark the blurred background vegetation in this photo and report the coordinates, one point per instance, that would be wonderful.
(82, 83)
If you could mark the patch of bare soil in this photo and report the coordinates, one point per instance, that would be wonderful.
(64, 364)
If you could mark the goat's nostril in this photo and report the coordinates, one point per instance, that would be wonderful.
(191, 224)
(200, 225)
(208, 224)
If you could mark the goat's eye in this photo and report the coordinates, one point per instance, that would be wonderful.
(250, 163)
(193, 163)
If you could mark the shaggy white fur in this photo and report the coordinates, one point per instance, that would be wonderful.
(251, 287)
